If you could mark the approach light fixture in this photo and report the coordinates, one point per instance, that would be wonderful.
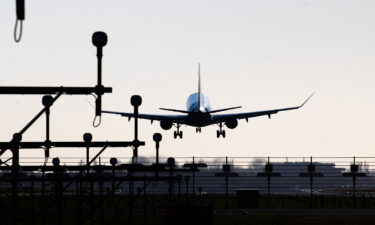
(87, 137)
(136, 100)
(113, 161)
(157, 137)
(17, 137)
(56, 161)
(99, 39)
(171, 162)
(47, 100)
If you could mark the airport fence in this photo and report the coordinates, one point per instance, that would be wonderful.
(116, 189)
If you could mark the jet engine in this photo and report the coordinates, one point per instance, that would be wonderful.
(231, 123)
(166, 124)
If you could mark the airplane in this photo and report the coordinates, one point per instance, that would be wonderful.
(200, 114)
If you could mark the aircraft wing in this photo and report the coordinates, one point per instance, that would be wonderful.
(175, 118)
(222, 117)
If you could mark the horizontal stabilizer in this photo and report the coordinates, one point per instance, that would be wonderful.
(226, 109)
(175, 110)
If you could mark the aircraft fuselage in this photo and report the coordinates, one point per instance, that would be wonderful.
(198, 115)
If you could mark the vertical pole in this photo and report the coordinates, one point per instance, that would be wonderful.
(48, 141)
(15, 173)
(101, 193)
(113, 181)
(135, 151)
(157, 137)
(91, 202)
(80, 208)
(135, 101)
(173, 184)
(43, 195)
(32, 199)
(99, 55)
(354, 186)
(47, 102)
(157, 161)
(87, 138)
(179, 188)
(144, 186)
(87, 160)
(269, 185)
(311, 185)
(226, 183)
(15, 169)
(179, 191)
(77, 200)
(170, 183)
(99, 39)
(193, 177)
(61, 196)
(58, 194)
(98, 102)
(144, 199)
(130, 199)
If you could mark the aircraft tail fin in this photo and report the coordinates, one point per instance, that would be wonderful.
(226, 109)
(199, 85)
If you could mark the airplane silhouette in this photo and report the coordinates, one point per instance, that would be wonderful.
(199, 114)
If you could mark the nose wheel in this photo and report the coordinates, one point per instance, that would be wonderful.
(178, 133)
(198, 130)
(220, 132)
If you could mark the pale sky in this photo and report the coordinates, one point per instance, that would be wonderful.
(257, 54)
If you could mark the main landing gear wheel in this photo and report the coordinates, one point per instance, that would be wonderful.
(177, 133)
(220, 132)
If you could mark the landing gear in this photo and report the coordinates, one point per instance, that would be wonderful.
(220, 132)
(198, 130)
(178, 133)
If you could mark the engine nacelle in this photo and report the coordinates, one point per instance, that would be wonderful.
(166, 124)
(231, 123)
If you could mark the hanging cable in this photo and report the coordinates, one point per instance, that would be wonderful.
(92, 105)
(97, 121)
(20, 12)
(17, 35)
